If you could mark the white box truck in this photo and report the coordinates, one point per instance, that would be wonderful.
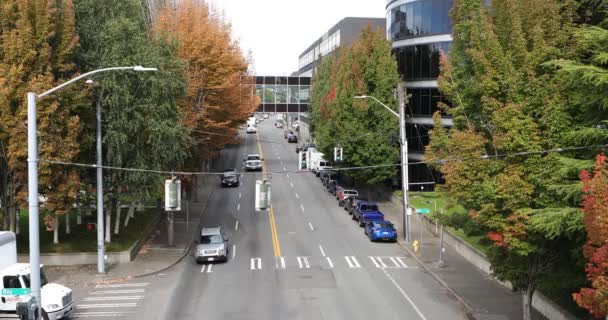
(57, 300)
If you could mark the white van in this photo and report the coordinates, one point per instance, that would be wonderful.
(251, 128)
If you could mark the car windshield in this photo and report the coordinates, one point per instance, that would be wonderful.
(211, 239)
(383, 224)
(253, 158)
(350, 192)
(369, 207)
(43, 280)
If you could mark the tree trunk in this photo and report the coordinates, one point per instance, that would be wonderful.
(56, 230)
(12, 217)
(527, 300)
(78, 212)
(67, 223)
(117, 223)
(108, 226)
(17, 221)
(130, 214)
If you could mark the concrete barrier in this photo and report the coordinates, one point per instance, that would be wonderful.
(540, 302)
(79, 258)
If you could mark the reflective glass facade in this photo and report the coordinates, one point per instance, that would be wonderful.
(424, 101)
(283, 94)
(420, 62)
(419, 18)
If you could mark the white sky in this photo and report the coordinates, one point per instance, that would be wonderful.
(277, 31)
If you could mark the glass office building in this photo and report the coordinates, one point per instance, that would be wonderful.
(420, 32)
(283, 94)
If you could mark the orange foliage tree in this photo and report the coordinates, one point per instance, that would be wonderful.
(220, 94)
(37, 41)
(595, 207)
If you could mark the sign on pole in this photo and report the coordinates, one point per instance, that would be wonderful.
(16, 292)
(423, 211)
(173, 195)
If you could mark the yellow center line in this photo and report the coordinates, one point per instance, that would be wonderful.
(273, 226)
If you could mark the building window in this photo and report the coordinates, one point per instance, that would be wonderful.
(293, 94)
(419, 18)
(304, 94)
(424, 101)
(420, 62)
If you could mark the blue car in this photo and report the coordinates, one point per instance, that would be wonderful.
(380, 230)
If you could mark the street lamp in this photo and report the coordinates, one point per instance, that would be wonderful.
(404, 160)
(32, 178)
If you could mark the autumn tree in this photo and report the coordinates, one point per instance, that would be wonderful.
(37, 42)
(595, 207)
(363, 128)
(220, 93)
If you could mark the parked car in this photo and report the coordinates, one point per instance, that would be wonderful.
(331, 186)
(286, 133)
(328, 175)
(279, 123)
(380, 230)
(212, 245)
(253, 162)
(230, 178)
(266, 116)
(322, 165)
(295, 124)
(344, 194)
(351, 202)
(364, 212)
(292, 138)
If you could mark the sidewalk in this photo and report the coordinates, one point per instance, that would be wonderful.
(154, 255)
(485, 298)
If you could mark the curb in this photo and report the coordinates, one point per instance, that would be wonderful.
(468, 308)
(186, 251)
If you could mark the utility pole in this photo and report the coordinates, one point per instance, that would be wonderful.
(401, 94)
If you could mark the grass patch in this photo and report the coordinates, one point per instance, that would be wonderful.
(82, 240)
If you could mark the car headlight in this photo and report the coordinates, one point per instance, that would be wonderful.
(52, 306)
(221, 251)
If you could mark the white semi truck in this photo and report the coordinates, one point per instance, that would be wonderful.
(315, 161)
(57, 300)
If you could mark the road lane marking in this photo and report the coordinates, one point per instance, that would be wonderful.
(239, 195)
(238, 207)
(118, 291)
(273, 226)
(331, 264)
(291, 184)
(311, 227)
(287, 176)
(107, 305)
(375, 262)
(279, 157)
(352, 262)
(302, 207)
(284, 169)
(233, 251)
(303, 262)
(207, 268)
(280, 262)
(113, 298)
(96, 314)
(122, 285)
(297, 196)
(236, 226)
(322, 251)
(256, 263)
(402, 262)
(405, 295)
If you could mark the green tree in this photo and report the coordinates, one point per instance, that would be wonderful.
(142, 124)
(506, 102)
(364, 130)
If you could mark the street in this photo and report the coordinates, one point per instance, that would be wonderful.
(310, 262)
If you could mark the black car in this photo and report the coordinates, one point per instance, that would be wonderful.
(324, 174)
(229, 178)
(350, 203)
(292, 138)
(332, 185)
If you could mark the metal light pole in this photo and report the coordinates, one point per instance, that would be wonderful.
(404, 160)
(32, 178)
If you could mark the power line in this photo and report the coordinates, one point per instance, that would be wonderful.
(441, 161)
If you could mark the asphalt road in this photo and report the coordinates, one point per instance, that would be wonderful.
(304, 259)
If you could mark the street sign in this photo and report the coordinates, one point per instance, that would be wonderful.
(15, 292)
(173, 195)
(423, 210)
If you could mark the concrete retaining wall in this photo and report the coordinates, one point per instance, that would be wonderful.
(541, 303)
(78, 258)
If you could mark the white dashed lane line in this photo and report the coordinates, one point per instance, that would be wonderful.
(236, 226)
(302, 208)
(322, 251)
(311, 227)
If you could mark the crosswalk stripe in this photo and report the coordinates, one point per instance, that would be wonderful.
(113, 298)
(401, 261)
(118, 291)
(352, 262)
(256, 263)
(121, 285)
(280, 263)
(303, 262)
(331, 264)
(375, 262)
(107, 305)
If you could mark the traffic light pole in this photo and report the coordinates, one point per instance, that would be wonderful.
(404, 162)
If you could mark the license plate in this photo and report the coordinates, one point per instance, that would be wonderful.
(210, 259)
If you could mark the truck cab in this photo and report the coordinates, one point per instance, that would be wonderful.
(365, 212)
(56, 301)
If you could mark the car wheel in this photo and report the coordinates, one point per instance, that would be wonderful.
(45, 316)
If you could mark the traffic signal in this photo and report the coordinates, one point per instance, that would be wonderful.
(173, 195)
(338, 155)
